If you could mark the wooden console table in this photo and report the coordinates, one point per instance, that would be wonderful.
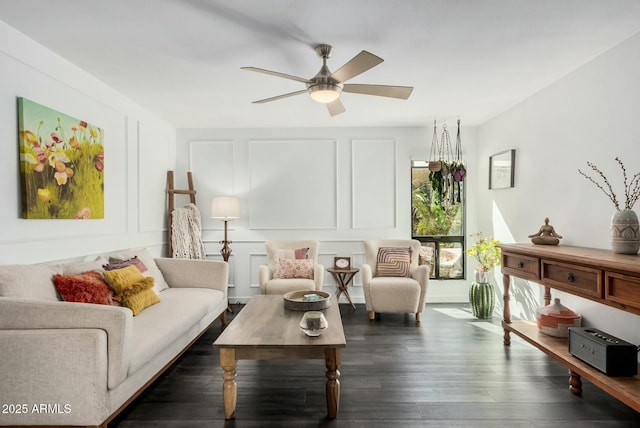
(598, 275)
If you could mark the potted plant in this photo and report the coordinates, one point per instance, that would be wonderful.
(481, 292)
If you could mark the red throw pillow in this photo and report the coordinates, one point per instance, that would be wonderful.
(87, 287)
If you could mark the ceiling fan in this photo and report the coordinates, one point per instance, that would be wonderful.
(325, 87)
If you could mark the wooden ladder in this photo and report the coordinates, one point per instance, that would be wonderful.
(172, 192)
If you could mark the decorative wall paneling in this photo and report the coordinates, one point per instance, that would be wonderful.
(373, 178)
(355, 185)
(152, 154)
(213, 166)
(297, 180)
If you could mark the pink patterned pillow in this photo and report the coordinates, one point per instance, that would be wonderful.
(297, 254)
(294, 268)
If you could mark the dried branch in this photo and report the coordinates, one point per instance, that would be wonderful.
(631, 187)
(624, 182)
(634, 186)
(611, 194)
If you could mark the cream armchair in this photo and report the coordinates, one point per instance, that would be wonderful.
(383, 293)
(269, 284)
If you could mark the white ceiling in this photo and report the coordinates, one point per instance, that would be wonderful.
(465, 58)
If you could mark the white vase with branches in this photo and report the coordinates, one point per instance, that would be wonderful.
(625, 231)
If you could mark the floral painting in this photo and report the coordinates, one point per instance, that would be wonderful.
(61, 164)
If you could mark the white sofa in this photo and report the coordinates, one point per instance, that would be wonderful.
(64, 363)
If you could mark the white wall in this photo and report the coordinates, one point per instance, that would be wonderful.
(139, 148)
(589, 115)
(337, 185)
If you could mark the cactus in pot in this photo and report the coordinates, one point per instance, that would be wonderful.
(481, 291)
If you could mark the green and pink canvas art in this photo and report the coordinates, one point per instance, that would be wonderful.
(61, 164)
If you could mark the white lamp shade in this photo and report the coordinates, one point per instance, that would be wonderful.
(225, 207)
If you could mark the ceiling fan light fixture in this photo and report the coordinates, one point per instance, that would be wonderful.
(325, 87)
(324, 93)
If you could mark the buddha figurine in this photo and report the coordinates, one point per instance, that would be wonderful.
(546, 235)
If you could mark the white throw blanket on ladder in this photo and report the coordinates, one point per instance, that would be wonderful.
(186, 233)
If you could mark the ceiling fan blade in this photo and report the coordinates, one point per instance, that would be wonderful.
(401, 92)
(335, 107)
(355, 66)
(277, 74)
(279, 97)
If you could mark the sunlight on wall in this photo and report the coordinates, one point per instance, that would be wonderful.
(525, 296)
(501, 230)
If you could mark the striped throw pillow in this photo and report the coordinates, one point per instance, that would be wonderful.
(394, 261)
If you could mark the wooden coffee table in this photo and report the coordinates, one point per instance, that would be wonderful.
(265, 330)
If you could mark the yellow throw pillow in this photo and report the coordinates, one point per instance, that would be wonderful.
(119, 279)
(138, 298)
(133, 290)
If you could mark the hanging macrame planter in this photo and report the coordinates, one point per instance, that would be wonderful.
(435, 164)
(446, 156)
(458, 170)
(447, 170)
(440, 165)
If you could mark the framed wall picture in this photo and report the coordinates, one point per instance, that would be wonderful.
(61, 164)
(502, 169)
(342, 262)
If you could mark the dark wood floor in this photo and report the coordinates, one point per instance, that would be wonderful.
(444, 372)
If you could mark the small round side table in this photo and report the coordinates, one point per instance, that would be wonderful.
(343, 277)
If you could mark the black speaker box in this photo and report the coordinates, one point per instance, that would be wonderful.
(607, 353)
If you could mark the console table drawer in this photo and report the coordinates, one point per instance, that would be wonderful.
(524, 267)
(581, 280)
(622, 289)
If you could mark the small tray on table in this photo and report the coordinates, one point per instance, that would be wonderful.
(307, 300)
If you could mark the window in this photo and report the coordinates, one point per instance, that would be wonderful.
(437, 220)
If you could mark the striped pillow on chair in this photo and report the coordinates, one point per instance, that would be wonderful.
(394, 261)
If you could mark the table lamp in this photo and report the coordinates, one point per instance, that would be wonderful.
(225, 208)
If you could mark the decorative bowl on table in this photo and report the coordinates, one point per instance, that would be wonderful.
(307, 300)
(313, 323)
